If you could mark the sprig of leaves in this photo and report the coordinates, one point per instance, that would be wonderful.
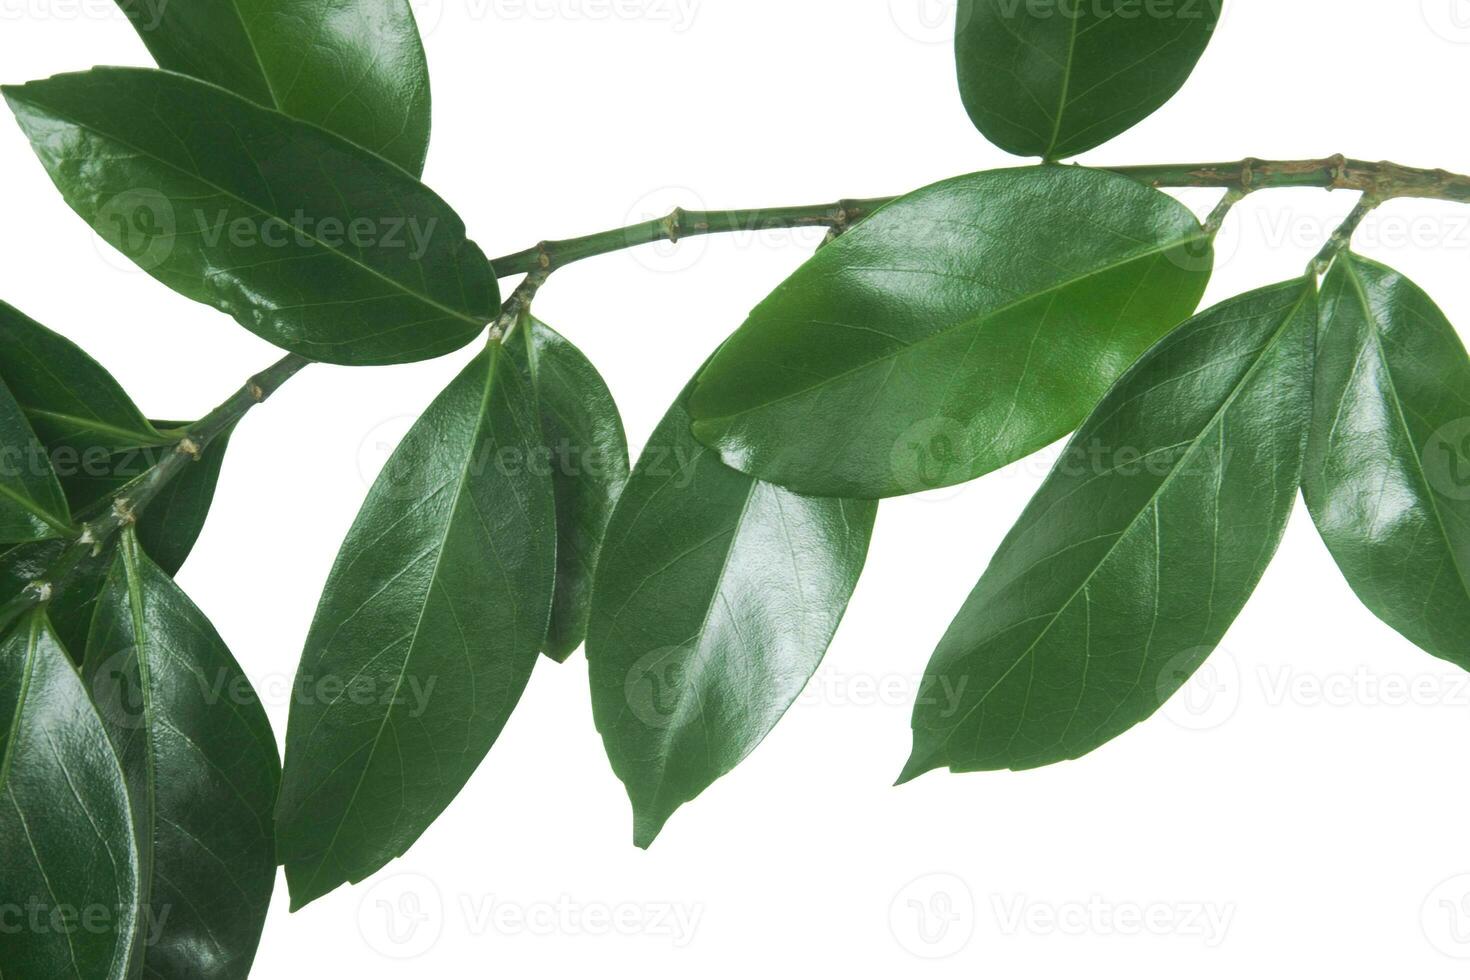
(271, 173)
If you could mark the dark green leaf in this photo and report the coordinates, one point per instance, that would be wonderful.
(1054, 78)
(72, 402)
(1139, 550)
(588, 456)
(355, 67)
(306, 239)
(202, 770)
(955, 331)
(1388, 465)
(99, 442)
(32, 506)
(716, 597)
(68, 860)
(426, 635)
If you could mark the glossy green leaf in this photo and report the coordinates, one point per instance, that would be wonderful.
(202, 770)
(716, 598)
(959, 329)
(99, 441)
(68, 861)
(587, 453)
(307, 240)
(32, 506)
(1139, 550)
(72, 402)
(426, 635)
(355, 67)
(1054, 78)
(1388, 465)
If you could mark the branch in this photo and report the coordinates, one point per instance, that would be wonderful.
(131, 500)
(1380, 181)
(1383, 181)
(549, 256)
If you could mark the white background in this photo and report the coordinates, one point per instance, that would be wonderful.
(1295, 810)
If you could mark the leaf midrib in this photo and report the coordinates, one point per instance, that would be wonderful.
(133, 583)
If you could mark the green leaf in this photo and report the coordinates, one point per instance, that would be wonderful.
(1054, 78)
(716, 597)
(355, 67)
(68, 860)
(1388, 465)
(588, 457)
(307, 240)
(32, 506)
(954, 331)
(426, 635)
(202, 770)
(99, 441)
(72, 402)
(1139, 550)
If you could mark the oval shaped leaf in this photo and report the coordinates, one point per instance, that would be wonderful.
(202, 770)
(1054, 78)
(356, 67)
(1139, 550)
(716, 597)
(953, 332)
(426, 635)
(32, 506)
(1388, 472)
(71, 400)
(67, 849)
(587, 451)
(307, 240)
